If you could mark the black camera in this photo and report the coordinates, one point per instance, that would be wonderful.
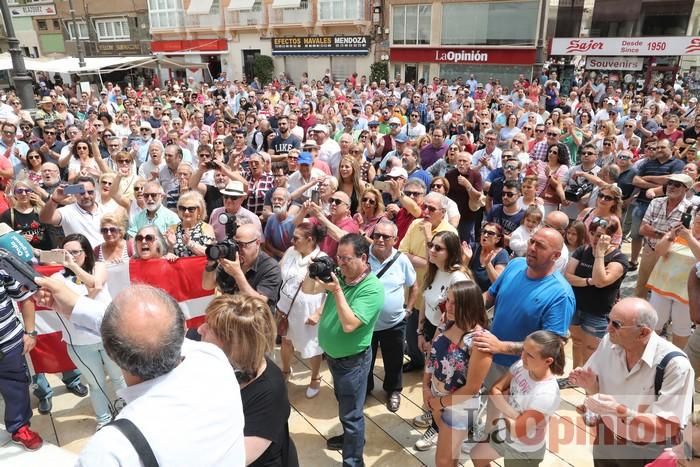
(321, 268)
(228, 248)
(576, 192)
(687, 217)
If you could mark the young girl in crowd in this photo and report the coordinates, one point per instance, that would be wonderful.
(455, 371)
(575, 235)
(527, 396)
(520, 238)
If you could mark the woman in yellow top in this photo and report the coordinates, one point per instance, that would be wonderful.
(677, 251)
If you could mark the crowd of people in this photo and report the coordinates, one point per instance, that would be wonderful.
(466, 229)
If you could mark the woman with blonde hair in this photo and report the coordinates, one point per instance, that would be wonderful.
(115, 249)
(371, 211)
(23, 215)
(349, 181)
(191, 236)
(608, 207)
(244, 328)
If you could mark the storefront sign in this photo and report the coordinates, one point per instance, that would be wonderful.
(463, 55)
(190, 46)
(626, 46)
(321, 45)
(33, 10)
(615, 63)
(118, 48)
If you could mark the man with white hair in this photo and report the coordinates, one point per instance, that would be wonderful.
(328, 149)
(279, 228)
(639, 385)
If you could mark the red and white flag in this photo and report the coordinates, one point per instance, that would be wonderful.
(181, 279)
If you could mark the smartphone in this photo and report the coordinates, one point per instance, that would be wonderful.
(315, 196)
(53, 256)
(77, 189)
(382, 185)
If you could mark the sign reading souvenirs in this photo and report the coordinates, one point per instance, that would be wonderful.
(626, 46)
(614, 63)
(321, 45)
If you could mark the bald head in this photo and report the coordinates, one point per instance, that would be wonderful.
(637, 310)
(553, 237)
(557, 220)
(342, 196)
(143, 330)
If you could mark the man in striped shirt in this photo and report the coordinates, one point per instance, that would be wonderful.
(16, 340)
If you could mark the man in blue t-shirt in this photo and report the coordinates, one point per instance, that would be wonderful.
(529, 295)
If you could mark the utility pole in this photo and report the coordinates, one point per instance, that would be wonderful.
(20, 77)
(78, 43)
(540, 52)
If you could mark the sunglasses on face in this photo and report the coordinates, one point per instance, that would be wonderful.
(509, 194)
(552, 133)
(675, 184)
(49, 132)
(436, 185)
(539, 131)
(22, 191)
(148, 237)
(109, 230)
(377, 236)
(430, 208)
(371, 201)
(151, 195)
(412, 194)
(617, 325)
(189, 209)
(435, 246)
(489, 233)
(606, 197)
(337, 201)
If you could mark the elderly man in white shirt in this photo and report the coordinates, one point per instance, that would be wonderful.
(637, 419)
(169, 380)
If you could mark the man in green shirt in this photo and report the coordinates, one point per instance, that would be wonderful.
(345, 334)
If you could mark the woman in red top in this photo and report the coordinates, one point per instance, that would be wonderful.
(671, 132)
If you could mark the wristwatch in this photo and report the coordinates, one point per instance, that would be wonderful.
(34, 333)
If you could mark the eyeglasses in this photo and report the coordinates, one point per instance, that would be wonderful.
(588, 153)
(629, 126)
(552, 133)
(344, 259)
(509, 194)
(369, 201)
(435, 246)
(430, 208)
(232, 198)
(148, 237)
(511, 167)
(109, 230)
(437, 185)
(489, 233)
(151, 195)
(75, 253)
(337, 201)
(618, 325)
(218, 142)
(412, 194)
(189, 209)
(123, 161)
(606, 197)
(22, 191)
(539, 131)
(377, 236)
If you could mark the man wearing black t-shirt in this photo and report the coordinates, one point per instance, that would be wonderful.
(285, 141)
(508, 215)
(211, 193)
(693, 131)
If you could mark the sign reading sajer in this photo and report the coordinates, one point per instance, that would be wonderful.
(627, 46)
(321, 45)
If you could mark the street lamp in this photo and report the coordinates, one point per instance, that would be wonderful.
(20, 77)
(76, 30)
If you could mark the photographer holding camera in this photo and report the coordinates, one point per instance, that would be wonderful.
(345, 330)
(242, 267)
(576, 186)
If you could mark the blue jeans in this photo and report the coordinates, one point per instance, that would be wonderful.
(42, 389)
(350, 386)
(465, 228)
(93, 365)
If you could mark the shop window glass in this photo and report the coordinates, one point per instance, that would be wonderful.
(492, 23)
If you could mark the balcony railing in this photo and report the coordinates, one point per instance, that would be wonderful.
(282, 16)
(244, 18)
(207, 21)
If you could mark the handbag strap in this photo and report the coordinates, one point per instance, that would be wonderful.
(137, 440)
(388, 265)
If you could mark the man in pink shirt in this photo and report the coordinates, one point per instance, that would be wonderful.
(338, 224)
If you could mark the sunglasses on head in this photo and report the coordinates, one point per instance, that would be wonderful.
(148, 237)
(600, 222)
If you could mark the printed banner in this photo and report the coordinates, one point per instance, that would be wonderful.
(627, 46)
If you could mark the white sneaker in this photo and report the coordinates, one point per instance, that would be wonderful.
(423, 420)
(427, 441)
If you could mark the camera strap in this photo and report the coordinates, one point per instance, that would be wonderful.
(388, 265)
(137, 440)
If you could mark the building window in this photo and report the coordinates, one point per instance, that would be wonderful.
(82, 28)
(42, 25)
(411, 24)
(340, 10)
(56, 25)
(492, 23)
(165, 14)
(112, 29)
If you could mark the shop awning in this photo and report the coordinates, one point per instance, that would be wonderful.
(200, 7)
(286, 3)
(96, 64)
(241, 5)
